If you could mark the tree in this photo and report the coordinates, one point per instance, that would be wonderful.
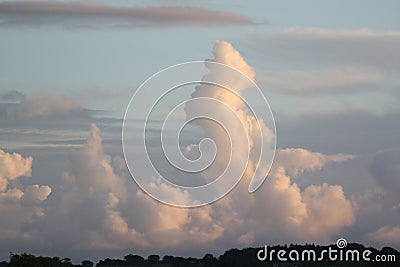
(209, 260)
(134, 259)
(153, 259)
(87, 263)
(168, 259)
(66, 260)
(28, 260)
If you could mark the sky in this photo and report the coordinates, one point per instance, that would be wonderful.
(68, 70)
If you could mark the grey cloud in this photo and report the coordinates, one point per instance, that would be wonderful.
(329, 81)
(379, 208)
(352, 67)
(93, 14)
(310, 47)
(42, 117)
(374, 190)
(44, 107)
(356, 132)
(46, 124)
(12, 96)
(385, 168)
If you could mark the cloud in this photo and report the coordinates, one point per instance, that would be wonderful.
(387, 235)
(36, 192)
(43, 123)
(97, 209)
(225, 53)
(380, 206)
(89, 207)
(20, 207)
(354, 66)
(91, 167)
(45, 107)
(246, 239)
(325, 218)
(323, 33)
(308, 47)
(385, 168)
(282, 212)
(279, 211)
(298, 160)
(13, 166)
(101, 211)
(90, 14)
(239, 150)
(320, 131)
(329, 81)
(12, 96)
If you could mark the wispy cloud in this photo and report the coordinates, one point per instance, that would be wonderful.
(327, 81)
(42, 106)
(354, 69)
(93, 15)
(12, 96)
(306, 47)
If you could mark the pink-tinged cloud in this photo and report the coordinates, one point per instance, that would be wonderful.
(91, 14)
(20, 206)
(13, 166)
(46, 107)
(121, 215)
(386, 235)
(299, 160)
(99, 209)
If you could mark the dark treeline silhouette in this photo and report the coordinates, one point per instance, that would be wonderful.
(231, 258)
